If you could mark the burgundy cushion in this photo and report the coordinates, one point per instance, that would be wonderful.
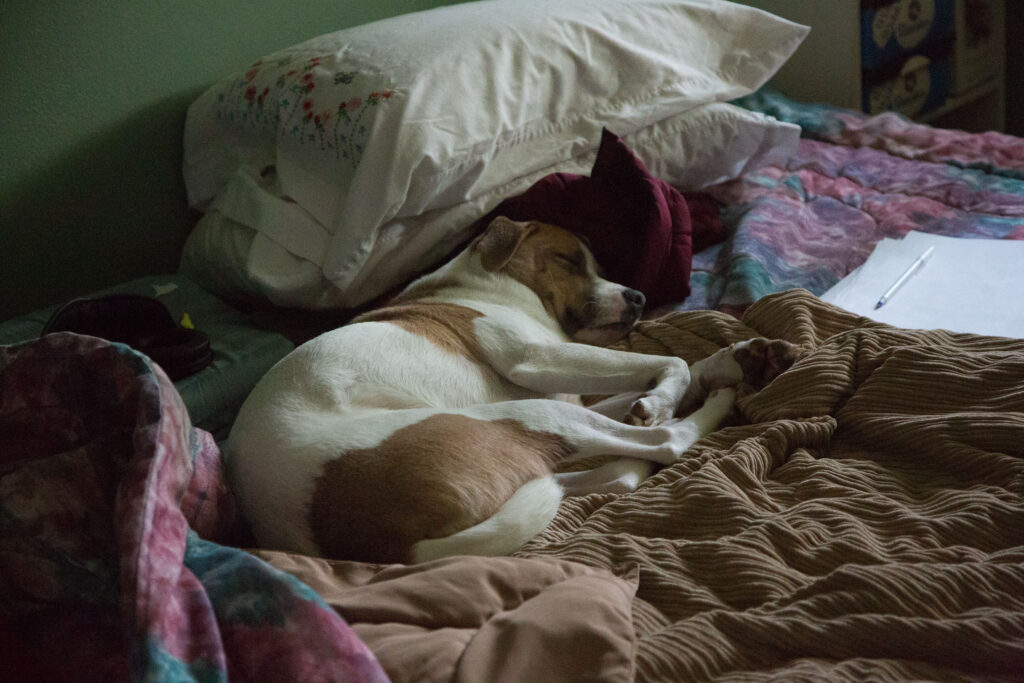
(638, 226)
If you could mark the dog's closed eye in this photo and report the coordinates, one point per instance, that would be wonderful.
(575, 262)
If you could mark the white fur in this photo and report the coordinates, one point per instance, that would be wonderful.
(530, 509)
(353, 387)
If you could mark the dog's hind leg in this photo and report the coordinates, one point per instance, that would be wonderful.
(528, 512)
(472, 480)
(586, 433)
(532, 507)
(623, 475)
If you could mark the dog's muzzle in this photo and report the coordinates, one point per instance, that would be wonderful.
(635, 301)
(608, 324)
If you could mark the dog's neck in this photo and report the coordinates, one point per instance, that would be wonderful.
(464, 280)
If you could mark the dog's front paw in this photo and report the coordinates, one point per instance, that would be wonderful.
(754, 362)
(720, 370)
(762, 360)
(648, 411)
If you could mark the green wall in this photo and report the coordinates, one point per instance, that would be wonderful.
(94, 94)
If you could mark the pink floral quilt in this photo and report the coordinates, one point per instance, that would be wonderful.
(110, 502)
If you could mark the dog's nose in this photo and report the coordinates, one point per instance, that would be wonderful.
(634, 297)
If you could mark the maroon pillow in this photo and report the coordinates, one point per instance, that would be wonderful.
(638, 226)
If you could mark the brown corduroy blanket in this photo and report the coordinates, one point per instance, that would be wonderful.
(862, 517)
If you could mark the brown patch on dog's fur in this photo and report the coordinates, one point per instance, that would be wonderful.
(428, 480)
(448, 326)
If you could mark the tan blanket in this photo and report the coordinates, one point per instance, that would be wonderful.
(861, 518)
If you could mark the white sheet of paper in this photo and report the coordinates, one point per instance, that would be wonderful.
(968, 285)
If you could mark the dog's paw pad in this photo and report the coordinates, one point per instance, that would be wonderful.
(762, 360)
(644, 413)
(638, 415)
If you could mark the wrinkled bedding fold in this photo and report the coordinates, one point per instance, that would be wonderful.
(863, 518)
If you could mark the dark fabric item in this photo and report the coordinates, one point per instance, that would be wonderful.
(142, 323)
(638, 226)
(706, 218)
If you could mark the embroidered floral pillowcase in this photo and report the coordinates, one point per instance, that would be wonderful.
(414, 114)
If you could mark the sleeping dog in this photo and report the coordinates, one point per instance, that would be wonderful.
(431, 427)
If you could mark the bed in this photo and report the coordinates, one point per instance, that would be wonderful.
(861, 518)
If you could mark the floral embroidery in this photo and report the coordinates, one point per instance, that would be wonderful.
(294, 98)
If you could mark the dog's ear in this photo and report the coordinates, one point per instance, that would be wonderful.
(500, 241)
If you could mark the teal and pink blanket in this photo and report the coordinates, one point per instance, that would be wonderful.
(854, 180)
(108, 501)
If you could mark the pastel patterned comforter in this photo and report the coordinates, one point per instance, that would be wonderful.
(854, 180)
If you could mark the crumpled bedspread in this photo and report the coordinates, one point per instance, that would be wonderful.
(482, 618)
(854, 180)
(106, 496)
(861, 519)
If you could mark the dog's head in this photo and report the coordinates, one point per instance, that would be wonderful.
(562, 272)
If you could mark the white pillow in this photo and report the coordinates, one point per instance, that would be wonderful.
(425, 111)
(240, 247)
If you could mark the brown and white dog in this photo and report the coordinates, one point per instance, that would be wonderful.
(431, 427)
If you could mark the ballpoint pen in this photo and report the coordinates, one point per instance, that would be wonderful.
(907, 274)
